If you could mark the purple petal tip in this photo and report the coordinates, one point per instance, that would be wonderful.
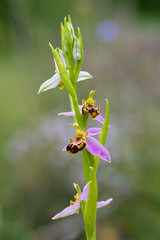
(97, 149)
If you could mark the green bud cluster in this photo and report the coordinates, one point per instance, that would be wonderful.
(72, 47)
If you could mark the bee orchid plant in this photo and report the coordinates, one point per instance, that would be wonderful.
(68, 63)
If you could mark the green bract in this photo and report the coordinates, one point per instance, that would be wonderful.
(76, 50)
(104, 132)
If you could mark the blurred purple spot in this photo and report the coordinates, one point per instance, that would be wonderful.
(107, 31)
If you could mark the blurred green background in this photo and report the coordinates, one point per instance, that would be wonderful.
(122, 51)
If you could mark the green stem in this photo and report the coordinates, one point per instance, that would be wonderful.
(71, 70)
(86, 166)
(78, 115)
(85, 119)
(91, 208)
(72, 108)
(93, 236)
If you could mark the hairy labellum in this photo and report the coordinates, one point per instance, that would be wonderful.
(76, 146)
(94, 112)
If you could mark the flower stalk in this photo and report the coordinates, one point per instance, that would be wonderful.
(91, 207)
(68, 63)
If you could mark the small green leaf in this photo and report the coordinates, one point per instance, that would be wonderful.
(63, 71)
(81, 43)
(78, 63)
(76, 50)
(104, 132)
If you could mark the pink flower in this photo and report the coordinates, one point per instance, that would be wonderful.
(56, 80)
(84, 140)
(75, 206)
(99, 118)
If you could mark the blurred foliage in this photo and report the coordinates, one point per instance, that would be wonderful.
(23, 21)
(35, 175)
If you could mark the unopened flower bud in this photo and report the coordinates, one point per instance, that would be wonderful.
(68, 37)
(76, 50)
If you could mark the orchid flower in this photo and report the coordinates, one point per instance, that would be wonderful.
(99, 118)
(84, 140)
(75, 206)
(88, 107)
(56, 80)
